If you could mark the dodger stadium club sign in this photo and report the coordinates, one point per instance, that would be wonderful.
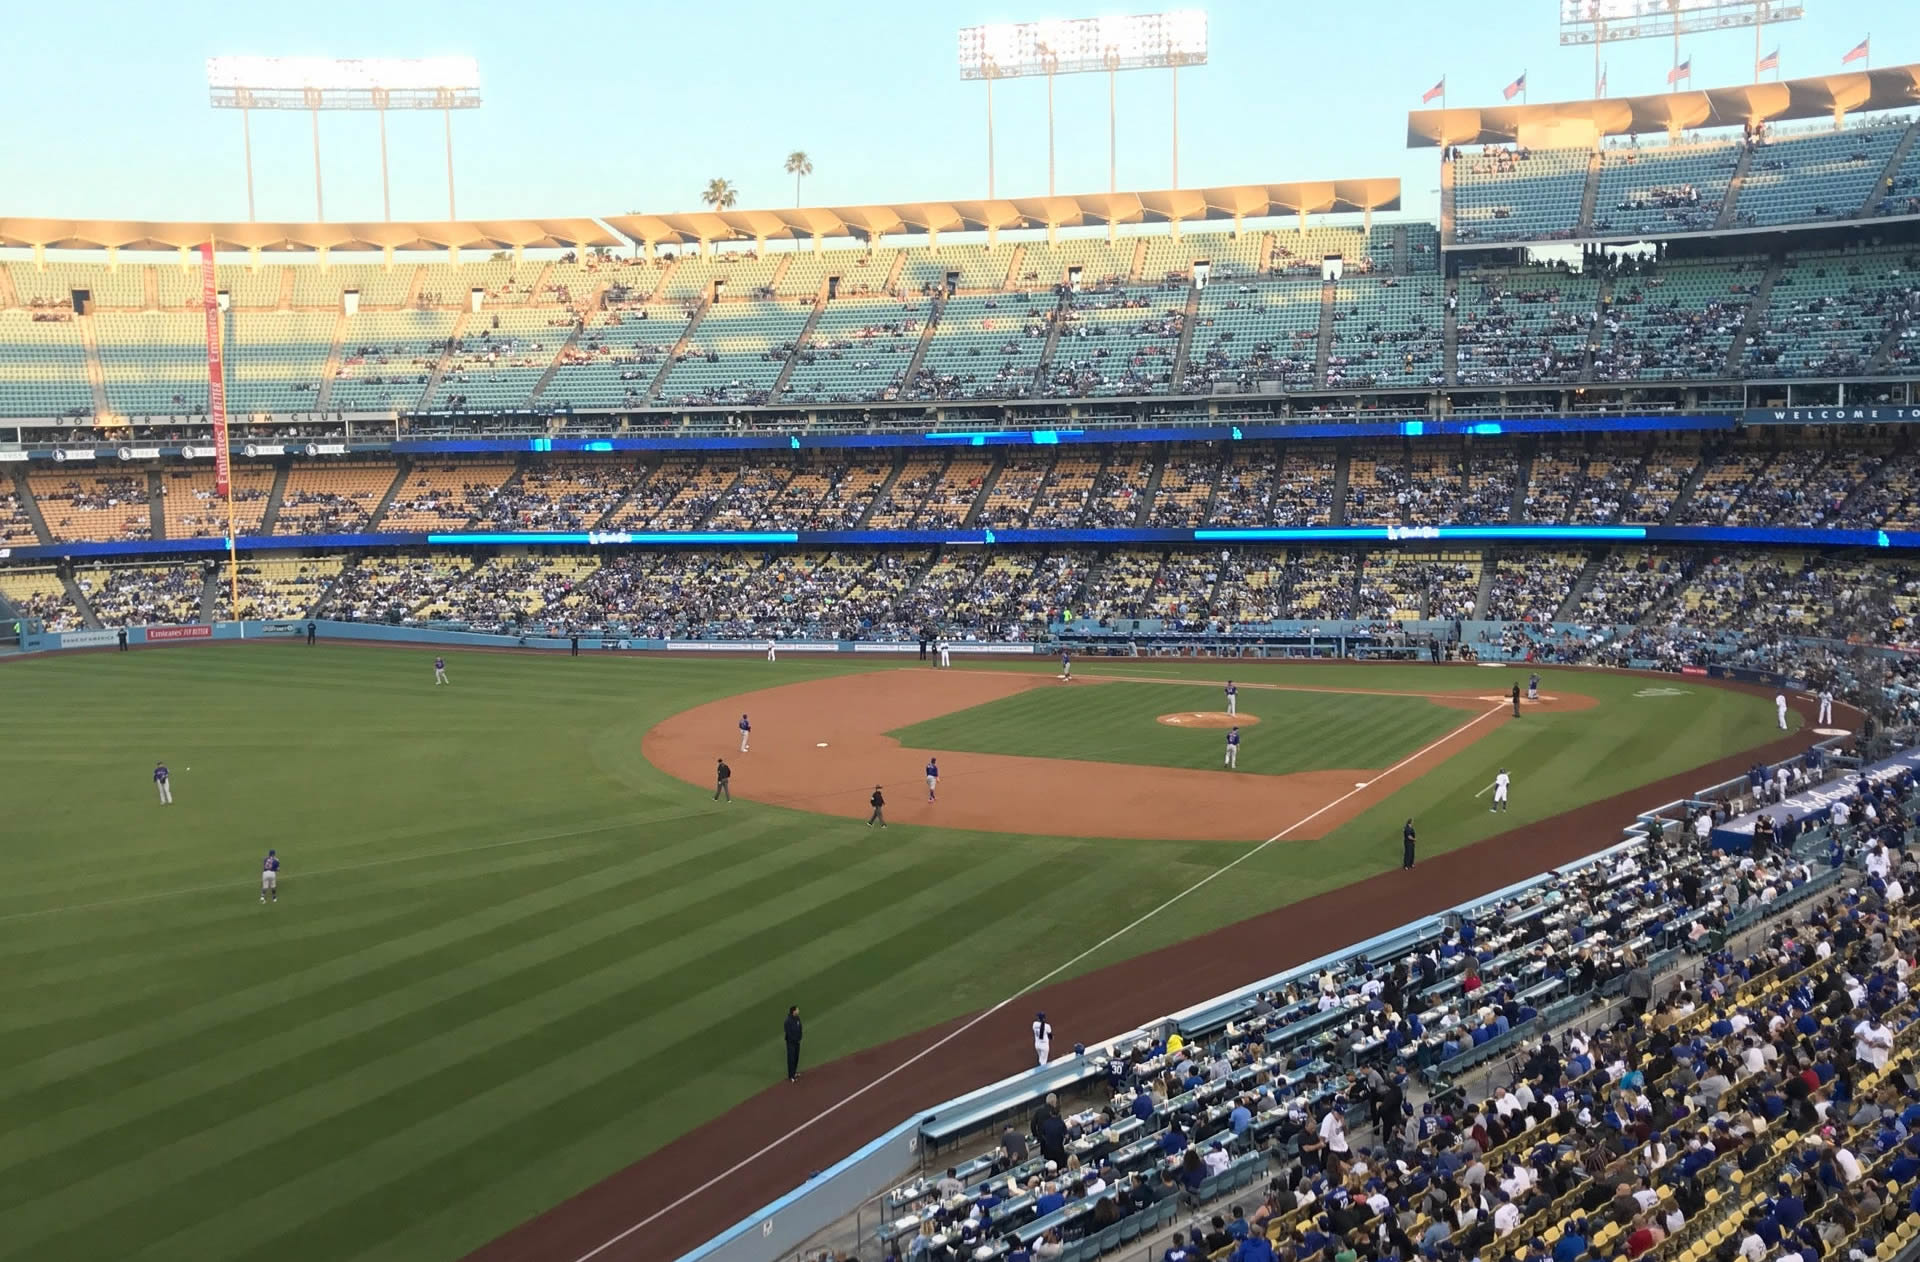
(1810, 416)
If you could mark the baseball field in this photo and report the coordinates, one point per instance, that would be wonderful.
(519, 947)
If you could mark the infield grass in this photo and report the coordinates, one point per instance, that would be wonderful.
(509, 956)
(1116, 722)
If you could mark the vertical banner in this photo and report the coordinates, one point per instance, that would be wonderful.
(216, 375)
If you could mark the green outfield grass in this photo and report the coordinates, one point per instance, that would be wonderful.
(509, 956)
(1105, 722)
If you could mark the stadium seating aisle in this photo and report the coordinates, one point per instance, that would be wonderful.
(39, 594)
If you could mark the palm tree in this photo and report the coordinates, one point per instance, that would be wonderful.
(799, 166)
(720, 194)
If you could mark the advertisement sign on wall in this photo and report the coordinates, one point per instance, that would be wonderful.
(179, 633)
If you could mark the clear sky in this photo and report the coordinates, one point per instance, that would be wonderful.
(598, 109)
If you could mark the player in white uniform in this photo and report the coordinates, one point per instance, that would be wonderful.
(1826, 707)
(270, 877)
(772, 656)
(1042, 1038)
(1780, 708)
(1233, 698)
(1500, 783)
(946, 654)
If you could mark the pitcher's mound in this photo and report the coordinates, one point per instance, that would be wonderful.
(1207, 718)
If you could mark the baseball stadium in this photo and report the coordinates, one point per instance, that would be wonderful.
(1238, 722)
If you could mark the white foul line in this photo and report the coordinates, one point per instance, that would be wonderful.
(949, 1037)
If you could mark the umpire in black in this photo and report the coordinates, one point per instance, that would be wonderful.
(793, 1042)
(1516, 701)
(1406, 846)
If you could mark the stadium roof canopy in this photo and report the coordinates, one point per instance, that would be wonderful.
(1243, 201)
(1820, 96)
(73, 234)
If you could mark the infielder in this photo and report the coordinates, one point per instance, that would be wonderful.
(946, 655)
(1826, 707)
(1499, 792)
(1233, 748)
(1066, 665)
(163, 783)
(1780, 708)
(439, 671)
(1042, 1038)
(772, 656)
(270, 877)
(746, 731)
(1533, 687)
(933, 777)
(1233, 698)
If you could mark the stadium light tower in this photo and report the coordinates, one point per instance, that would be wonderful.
(1600, 22)
(323, 83)
(1144, 41)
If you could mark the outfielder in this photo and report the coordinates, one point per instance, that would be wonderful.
(163, 782)
(1066, 665)
(1780, 708)
(1499, 792)
(1826, 707)
(1233, 698)
(946, 655)
(933, 777)
(439, 671)
(772, 655)
(746, 731)
(270, 877)
(1042, 1038)
(1233, 748)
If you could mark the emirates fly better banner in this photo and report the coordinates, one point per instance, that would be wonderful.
(216, 374)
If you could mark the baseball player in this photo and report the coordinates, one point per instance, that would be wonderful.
(1233, 748)
(1499, 792)
(439, 671)
(772, 655)
(746, 732)
(933, 777)
(270, 877)
(946, 654)
(1233, 698)
(1826, 706)
(1533, 687)
(1780, 708)
(163, 782)
(1042, 1038)
(1066, 665)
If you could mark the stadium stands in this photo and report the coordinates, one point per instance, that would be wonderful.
(735, 353)
(859, 349)
(1816, 175)
(1517, 194)
(1663, 189)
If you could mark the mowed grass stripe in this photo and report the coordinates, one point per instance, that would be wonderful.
(425, 1026)
(237, 1013)
(1117, 722)
(667, 997)
(843, 960)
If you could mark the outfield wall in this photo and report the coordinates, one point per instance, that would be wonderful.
(387, 633)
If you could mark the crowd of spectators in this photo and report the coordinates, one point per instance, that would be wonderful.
(1747, 1094)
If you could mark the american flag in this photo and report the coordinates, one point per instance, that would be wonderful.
(1682, 71)
(1438, 89)
(1516, 87)
(1858, 51)
(1770, 62)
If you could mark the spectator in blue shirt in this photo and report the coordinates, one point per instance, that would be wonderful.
(1178, 1250)
(1174, 1141)
(1049, 1200)
(1240, 1119)
(1253, 1249)
(1572, 1243)
(1143, 1106)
